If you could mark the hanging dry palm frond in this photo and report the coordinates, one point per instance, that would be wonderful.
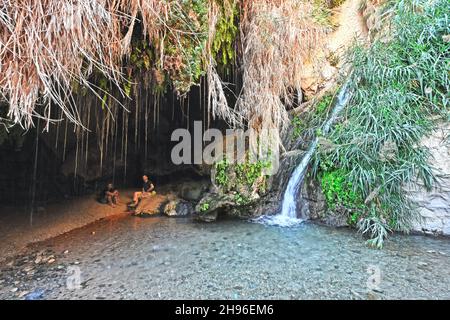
(277, 38)
(47, 45)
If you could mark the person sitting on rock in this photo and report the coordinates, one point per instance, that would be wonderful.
(148, 189)
(111, 195)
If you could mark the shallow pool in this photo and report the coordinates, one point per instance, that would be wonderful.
(163, 258)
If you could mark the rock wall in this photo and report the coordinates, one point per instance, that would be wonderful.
(434, 206)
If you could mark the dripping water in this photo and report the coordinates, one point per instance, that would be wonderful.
(33, 190)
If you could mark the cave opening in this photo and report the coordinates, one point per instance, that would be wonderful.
(118, 144)
(122, 134)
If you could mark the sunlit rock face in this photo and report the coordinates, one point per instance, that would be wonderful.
(434, 206)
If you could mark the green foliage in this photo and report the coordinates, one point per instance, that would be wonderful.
(375, 228)
(311, 122)
(338, 190)
(240, 199)
(183, 47)
(322, 10)
(399, 87)
(204, 207)
(324, 104)
(241, 179)
(226, 31)
(141, 56)
(297, 123)
(248, 172)
(187, 60)
(221, 176)
(103, 85)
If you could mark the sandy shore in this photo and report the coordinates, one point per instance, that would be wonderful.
(52, 220)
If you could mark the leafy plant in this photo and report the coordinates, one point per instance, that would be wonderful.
(221, 176)
(226, 31)
(298, 127)
(183, 60)
(248, 172)
(399, 88)
(242, 179)
(338, 190)
(324, 104)
(204, 207)
(240, 199)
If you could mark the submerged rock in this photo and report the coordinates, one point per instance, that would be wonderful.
(35, 295)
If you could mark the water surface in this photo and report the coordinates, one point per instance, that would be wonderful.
(165, 258)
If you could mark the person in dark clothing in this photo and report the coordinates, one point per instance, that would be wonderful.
(148, 189)
(111, 195)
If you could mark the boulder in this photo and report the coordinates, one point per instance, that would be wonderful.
(208, 209)
(193, 190)
(335, 218)
(151, 206)
(178, 208)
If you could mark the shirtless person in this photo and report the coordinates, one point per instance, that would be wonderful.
(147, 190)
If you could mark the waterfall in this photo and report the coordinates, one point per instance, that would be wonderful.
(288, 215)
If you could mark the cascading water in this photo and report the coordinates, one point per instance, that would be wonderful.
(288, 216)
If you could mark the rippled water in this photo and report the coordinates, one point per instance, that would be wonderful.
(177, 258)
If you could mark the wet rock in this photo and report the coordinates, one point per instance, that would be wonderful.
(335, 218)
(208, 209)
(314, 207)
(35, 295)
(208, 216)
(178, 208)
